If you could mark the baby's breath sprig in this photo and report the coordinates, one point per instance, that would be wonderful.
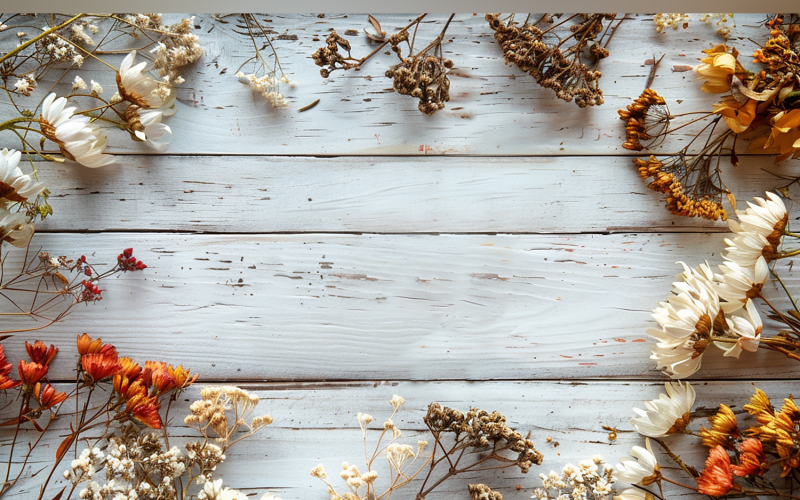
(557, 62)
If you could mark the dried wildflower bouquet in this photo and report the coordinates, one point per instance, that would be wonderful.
(762, 105)
(118, 427)
(761, 460)
(721, 306)
(461, 442)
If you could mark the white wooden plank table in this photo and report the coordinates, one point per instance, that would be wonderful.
(501, 253)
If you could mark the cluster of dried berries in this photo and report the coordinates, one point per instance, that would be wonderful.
(421, 74)
(739, 460)
(480, 429)
(764, 105)
(555, 62)
(481, 440)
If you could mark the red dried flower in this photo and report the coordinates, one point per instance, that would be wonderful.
(40, 353)
(7, 382)
(91, 292)
(127, 262)
(157, 377)
(717, 478)
(5, 366)
(31, 372)
(752, 459)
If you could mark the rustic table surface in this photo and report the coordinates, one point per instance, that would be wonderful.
(501, 253)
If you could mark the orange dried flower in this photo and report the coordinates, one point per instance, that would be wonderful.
(647, 112)
(99, 366)
(182, 376)
(5, 365)
(144, 409)
(31, 372)
(7, 382)
(47, 397)
(724, 429)
(88, 346)
(40, 353)
(127, 388)
(717, 478)
(156, 376)
(719, 68)
(752, 459)
(129, 368)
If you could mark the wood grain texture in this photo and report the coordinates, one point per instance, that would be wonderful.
(376, 194)
(495, 109)
(316, 423)
(327, 307)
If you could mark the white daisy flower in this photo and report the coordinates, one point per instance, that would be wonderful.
(746, 248)
(634, 494)
(679, 360)
(738, 284)
(642, 468)
(14, 185)
(14, 228)
(76, 138)
(145, 125)
(766, 217)
(135, 86)
(667, 414)
(747, 327)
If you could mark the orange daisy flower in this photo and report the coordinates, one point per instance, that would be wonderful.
(157, 377)
(5, 366)
(182, 376)
(40, 353)
(130, 369)
(47, 397)
(88, 346)
(31, 372)
(723, 428)
(752, 459)
(100, 366)
(717, 478)
(145, 410)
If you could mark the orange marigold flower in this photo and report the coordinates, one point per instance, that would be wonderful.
(100, 366)
(31, 372)
(88, 346)
(752, 459)
(182, 376)
(130, 369)
(144, 409)
(47, 397)
(759, 405)
(717, 478)
(40, 353)
(724, 429)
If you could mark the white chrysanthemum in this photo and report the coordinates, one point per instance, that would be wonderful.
(14, 185)
(764, 217)
(135, 86)
(667, 414)
(634, 494)
(738, 284)
(746, 325)
(76, 138)
(14, 229)
(746, 248)
(642, 468)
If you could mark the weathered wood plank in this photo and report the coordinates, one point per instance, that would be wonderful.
(494, 110)
(320, 307)
(316, 423)
(376, 194)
